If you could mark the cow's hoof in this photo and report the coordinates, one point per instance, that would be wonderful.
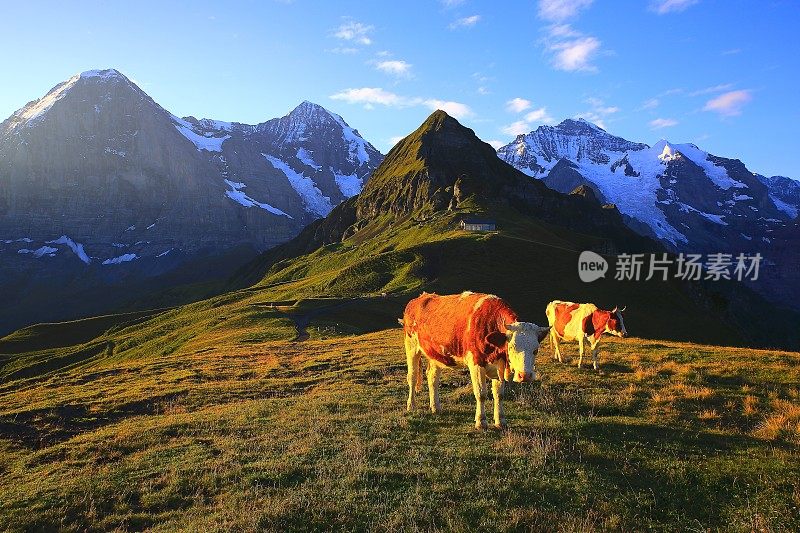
(502, 425)
(436, 410)
(481, 426)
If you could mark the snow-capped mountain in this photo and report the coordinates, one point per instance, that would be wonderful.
(687, 198)
(95, 175)
(665, 189)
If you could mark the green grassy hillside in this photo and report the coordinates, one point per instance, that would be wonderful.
(219, 423)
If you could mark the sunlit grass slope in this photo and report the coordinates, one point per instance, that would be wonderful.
(222, 424)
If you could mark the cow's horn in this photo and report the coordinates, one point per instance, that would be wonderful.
(623, 309)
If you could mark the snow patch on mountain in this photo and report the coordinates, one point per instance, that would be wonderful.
(313, 199)
(305, 157)
(349, 184)
(717, 219)
(107, 74)
(237, 195)
(39, 252)
(358, 146)
(202, 141)
(716, 173)
(38, 108)
(120, 259)
(76, 247)
(635, 195)
(783, 206)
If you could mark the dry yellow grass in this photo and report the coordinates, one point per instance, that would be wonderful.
(229, 430)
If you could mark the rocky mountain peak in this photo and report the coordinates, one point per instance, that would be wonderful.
(578, 126)
(103, 75)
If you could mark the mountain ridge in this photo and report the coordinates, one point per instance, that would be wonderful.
(97, 165)
(688, 199)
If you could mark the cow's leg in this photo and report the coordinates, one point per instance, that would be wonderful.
(413, 362)
(581, 343)
(433, 387)
(556, 347)
(419, 372)
(594, 355)
(478, 375)
(497, 391)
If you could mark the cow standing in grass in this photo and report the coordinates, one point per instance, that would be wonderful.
(479, 331)
(584, 323)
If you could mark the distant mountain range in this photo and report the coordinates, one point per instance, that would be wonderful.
(401, 235)
(99, 185)
(688, 199)
(110, 202)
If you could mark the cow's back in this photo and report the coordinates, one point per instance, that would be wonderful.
(566, 318)
(448, 327)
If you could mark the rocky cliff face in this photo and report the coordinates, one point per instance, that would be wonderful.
(100, 183)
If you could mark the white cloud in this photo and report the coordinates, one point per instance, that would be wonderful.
(494, 143)
(659, 123)
(560, 10)
(732, 51)
(662, 7)
(576, 54)
(466, 22)
(520, 127)
(598, 112)
(715, 89)
(368, 95)
(454, 109)
(371, 96)
(571, 50)
(356, 32)
(344, 50)
(483, 90)
(539, 115)
(395, 140)
(729, 104)
(451, 3)
(517, 105)
(394, 67)
(651, 103)
(528, 123)
(563, 31)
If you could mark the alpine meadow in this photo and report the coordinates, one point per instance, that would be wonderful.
(414, 300)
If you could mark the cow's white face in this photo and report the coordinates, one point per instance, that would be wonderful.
(523, 343)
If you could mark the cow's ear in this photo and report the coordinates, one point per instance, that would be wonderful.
(543, 332)
(588, 325)
(496, 340)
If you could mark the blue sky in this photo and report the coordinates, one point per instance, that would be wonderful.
(721, 74)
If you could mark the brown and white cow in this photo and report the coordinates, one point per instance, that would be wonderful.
(479, 331)
(584, 323)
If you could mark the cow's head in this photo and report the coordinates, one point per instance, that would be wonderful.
(523, 343)
(616, 325)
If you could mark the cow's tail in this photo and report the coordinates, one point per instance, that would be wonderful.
(551, 313)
